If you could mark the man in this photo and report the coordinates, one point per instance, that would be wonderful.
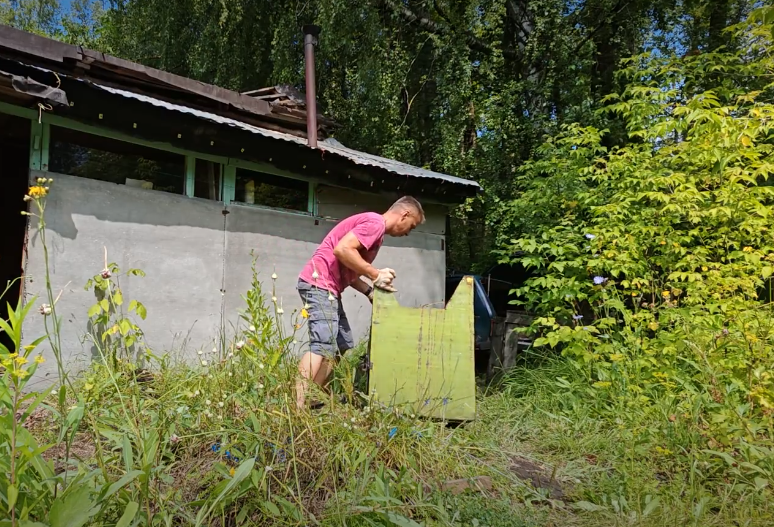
(343, 257)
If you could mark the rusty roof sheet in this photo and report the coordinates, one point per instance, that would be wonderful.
(328, 145)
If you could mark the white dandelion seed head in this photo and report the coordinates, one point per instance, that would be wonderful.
(204, 363)
(331, 297)
(274, 299)
(220, 404)
(208, 402)
(260, 386)
(230, 354)
(280, 311)
(315, 276)
(273, 276)
(251, 328)
(196, 393)
(353, 419)
(200, 352)
(260, 366)
(214, 350)
(230, 374)
(268, 468)
(239, 345)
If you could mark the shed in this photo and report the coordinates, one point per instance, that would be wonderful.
(185, 181)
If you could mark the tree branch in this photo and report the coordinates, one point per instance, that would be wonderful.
(519, 15)
(606, 20)
(431, 26)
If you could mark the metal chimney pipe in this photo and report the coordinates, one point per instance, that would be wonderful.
(311, 33)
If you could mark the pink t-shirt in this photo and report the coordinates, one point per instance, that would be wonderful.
(332, 276)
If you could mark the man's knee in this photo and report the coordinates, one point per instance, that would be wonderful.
(309, 364)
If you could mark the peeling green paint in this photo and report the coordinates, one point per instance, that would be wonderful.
(423, 357)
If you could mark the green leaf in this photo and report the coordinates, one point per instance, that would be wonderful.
(240, 474)
(62, 395)
(588, 506)
(118, 298)
(273, 509)
(651, 506)
(123, 482)
(129, 512)
(105, 305)
(13, 494)
(400, 520)
(73, 509)
(94, 310)
(127, 453)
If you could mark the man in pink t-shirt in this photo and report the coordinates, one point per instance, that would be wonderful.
(343, 257)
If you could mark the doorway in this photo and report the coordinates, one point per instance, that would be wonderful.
(14, 171)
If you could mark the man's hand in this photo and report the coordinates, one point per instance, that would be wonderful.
(384, 280)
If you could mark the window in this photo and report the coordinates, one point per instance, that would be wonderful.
(271, 191)
(207, 180)
(94, 157)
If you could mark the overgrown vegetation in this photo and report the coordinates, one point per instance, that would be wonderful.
(646, 217)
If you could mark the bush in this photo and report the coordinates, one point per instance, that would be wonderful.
(654, 258)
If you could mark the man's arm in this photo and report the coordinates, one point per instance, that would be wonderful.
(347, 252)
(359, 285)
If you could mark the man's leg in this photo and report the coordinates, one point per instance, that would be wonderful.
(323, 325)
(324, 372)
(344, 342)
(308, 368)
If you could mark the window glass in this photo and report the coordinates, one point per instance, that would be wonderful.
(271, 191)
(94, 157)
(207, 180)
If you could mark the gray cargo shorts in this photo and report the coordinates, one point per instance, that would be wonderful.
(329, 331)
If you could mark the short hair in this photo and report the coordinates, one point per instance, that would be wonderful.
(407, 202)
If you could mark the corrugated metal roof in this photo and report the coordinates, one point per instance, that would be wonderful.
(328, 145)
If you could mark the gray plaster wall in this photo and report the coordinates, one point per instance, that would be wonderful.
(197, 258)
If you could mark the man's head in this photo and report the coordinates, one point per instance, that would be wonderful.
(404, 215)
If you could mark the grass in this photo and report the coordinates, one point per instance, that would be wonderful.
(358, 464)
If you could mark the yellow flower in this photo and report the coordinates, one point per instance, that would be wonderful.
(653, 326)
(616, 357)
(37, 192)
(21, 374)
(304, 313)
(21, 361)
(666, 294)
(748, 249)
(232, 471)
(704, 268)
(39, 359)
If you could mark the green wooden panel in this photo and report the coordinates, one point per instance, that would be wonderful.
(423, 358)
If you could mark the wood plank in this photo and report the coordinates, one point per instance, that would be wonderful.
(423, 358)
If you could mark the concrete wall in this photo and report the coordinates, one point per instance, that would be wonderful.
(196, 257)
